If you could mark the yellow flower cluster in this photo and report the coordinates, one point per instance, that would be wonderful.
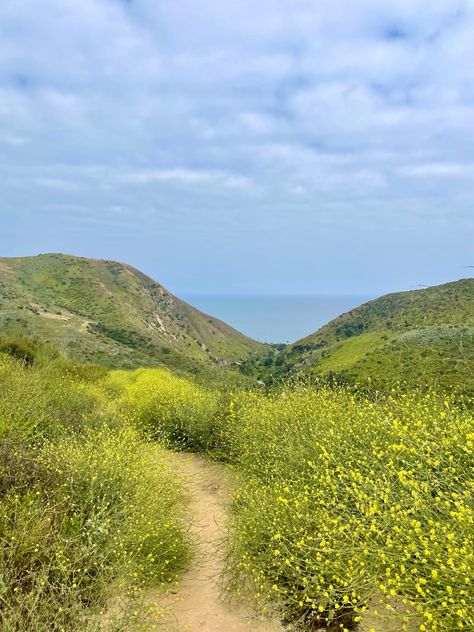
(351, 504)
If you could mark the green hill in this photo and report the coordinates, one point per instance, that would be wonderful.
(110, 313)
(422, 336)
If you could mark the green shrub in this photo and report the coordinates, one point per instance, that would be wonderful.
(41, 401)
(19, 349)
(346, 500)
(27, 350)
(88, 511)
(173, 410)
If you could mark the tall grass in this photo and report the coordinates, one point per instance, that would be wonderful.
(88, 511)
(347, 503)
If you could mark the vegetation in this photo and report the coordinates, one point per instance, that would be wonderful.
(88, 511)
(420, 337)
(173, 410)
(355, 496)
(108, 313)
(349, 505)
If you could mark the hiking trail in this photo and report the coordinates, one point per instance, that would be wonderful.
(199, 604)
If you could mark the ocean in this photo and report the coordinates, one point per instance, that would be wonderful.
(275, 318)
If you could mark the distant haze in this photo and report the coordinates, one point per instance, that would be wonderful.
(275, 318)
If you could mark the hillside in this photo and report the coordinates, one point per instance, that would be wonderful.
(109, 313)
(421, 336)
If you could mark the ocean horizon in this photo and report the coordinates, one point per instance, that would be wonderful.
(275, 318)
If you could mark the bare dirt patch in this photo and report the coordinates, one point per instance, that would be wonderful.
(4, 267)
(52, 316)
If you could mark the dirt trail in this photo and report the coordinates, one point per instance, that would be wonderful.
(198, 604)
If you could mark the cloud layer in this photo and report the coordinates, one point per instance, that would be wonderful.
(271, 146)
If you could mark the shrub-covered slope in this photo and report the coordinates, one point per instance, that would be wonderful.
(423, 337)
(110, 313)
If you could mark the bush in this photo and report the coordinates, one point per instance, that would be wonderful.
(38, 402)
(88, 511)
(19, 349)
(346, 500)
(172, 410)
(27, 350)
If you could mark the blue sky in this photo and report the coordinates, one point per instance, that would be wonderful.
(278, 146)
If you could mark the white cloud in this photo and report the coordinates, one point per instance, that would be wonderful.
(185, 176)
(57, 183)
(13, 139)
(439, 169)
(195, 108)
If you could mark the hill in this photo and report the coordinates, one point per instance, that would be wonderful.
(109, 313)
(422, 336)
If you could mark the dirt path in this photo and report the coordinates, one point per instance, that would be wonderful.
(198, 604)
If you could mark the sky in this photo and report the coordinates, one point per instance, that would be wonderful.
(240, 147)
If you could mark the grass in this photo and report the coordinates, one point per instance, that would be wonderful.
(350, 351)
(442, 356)
(346, 500)
(88, 510)
(350, 508)
(175, 411)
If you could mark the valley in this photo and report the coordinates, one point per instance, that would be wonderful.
(324, 485)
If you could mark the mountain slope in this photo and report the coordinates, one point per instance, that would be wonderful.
(110, 313)
(422, 336)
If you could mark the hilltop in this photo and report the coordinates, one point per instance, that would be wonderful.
(109, 313)
(421, 336)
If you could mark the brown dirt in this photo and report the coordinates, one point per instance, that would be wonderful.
(5, 267)
(52, 316)
(198, 603)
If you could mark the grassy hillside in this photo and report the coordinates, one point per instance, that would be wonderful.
(110, 313)
(422, 336)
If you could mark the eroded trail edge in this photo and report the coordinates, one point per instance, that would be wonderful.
(198, 602)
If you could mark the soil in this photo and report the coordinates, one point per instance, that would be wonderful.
(199, 602)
